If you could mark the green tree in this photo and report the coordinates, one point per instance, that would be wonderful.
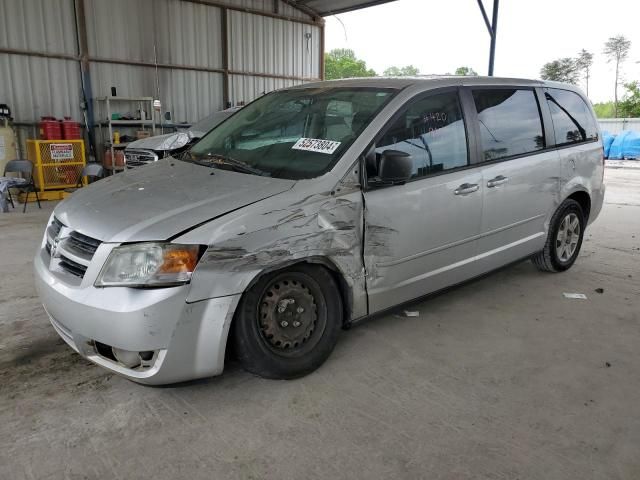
(342, 63)
(617, 50)
(584, 62)
(561, 70)
(630, 104)
(466, 71)
(407, 71)
(604, 109)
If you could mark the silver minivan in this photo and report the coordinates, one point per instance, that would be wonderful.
(312, 208)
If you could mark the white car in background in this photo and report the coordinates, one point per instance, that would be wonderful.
(148, 150)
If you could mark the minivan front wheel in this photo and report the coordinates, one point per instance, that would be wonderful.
(287, 323)
(566, 232)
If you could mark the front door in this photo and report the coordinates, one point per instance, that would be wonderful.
(421, 236)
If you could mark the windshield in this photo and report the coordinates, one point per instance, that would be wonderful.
(200, 128)
(293, 134)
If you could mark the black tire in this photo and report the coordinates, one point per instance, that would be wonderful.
(549, 259)
(264, 346)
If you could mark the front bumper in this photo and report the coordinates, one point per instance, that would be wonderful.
(188, 339)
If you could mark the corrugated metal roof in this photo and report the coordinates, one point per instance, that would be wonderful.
(332, 7)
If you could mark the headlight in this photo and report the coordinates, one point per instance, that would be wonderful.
(149, 264)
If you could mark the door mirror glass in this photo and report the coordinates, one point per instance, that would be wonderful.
(395, 166)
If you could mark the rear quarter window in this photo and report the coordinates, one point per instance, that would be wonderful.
(509, 122)
(571, 117)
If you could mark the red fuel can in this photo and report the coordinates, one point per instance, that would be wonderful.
(70, 129)
(50, 128)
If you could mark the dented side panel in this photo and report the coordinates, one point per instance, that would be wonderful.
(321, 226)
(420, 237)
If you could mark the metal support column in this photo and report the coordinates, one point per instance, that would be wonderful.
(226, 100)
(85, 72)
(492, 27)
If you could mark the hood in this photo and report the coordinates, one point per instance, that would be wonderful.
(161, 200)
(164, 143)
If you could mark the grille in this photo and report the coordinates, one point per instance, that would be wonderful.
(83, 244)
(139, 158)
(72, 267)
(75, 250)
(81, 248)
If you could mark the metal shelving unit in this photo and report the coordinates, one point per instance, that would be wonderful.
(106, 122)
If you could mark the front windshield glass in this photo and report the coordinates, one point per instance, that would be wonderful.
(294, 134)
(207, 123)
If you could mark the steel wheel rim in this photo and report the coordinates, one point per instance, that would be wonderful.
(568, 237)
(291, 318)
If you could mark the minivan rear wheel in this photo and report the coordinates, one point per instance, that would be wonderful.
(287, 323)
(564, 240)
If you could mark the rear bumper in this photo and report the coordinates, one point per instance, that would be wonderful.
(188, 339)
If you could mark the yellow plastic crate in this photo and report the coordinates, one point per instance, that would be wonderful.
(57, 163)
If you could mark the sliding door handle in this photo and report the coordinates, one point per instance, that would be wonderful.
(466, 189)
(499, 180)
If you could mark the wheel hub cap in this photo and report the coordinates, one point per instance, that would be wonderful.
(288, 314)
(568, 237)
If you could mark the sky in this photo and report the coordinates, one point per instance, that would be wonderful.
(439, 36)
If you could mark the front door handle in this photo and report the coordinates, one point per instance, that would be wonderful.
(499, 180)
(466, 189)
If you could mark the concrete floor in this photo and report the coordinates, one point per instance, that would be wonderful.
(503, 378)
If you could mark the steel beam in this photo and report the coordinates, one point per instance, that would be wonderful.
(492, 28)
(494, 34)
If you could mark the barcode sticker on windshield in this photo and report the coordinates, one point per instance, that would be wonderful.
(316, 145)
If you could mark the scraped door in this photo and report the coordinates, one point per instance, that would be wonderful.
(422, 236)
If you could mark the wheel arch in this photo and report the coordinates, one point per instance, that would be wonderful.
(584, 200)
(344, 289)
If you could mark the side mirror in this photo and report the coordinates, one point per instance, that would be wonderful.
(395, 166)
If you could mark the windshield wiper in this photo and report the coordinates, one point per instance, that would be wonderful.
(216, 159)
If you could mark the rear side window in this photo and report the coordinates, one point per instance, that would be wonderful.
(572, 119)
(510, 122)
(432, 131)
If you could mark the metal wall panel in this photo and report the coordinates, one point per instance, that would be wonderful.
(260, 44)
(35, 87)
(184, 33)
(39, 25)
(616, 125)
(333, 7)
(268, 7)
(289, 11)
(243, 88)
(189, 34)
(189, 95)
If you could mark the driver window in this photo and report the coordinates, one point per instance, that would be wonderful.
(432, 131)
